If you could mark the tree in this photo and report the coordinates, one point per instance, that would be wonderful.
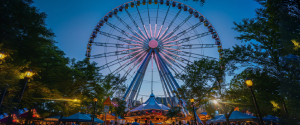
(120, 110)
(204, 81)
(173, 113)
(270, 34)
(60, 85)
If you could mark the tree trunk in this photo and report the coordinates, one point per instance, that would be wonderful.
(228, 115)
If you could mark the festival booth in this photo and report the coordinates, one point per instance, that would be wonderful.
(80, 117)
(53, 120)
(236, 116)
(35, 118)
(270, 118)
(4, 121)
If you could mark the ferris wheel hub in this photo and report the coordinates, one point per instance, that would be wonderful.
(153, 44)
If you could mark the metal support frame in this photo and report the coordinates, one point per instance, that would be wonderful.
(168, 70)
(135, 77)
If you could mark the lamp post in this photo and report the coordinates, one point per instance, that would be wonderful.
(192, 101)
(28, 75)
(249, 83)
(95, 101)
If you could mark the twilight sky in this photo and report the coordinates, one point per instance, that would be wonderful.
(73, 21)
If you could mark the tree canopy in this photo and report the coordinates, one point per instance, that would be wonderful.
(60, 85)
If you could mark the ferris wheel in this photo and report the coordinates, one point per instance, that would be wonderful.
(161, 36)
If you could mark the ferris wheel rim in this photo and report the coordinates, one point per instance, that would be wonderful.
(182, 4)
(158, 3)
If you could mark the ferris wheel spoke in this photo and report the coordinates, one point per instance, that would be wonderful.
(177, 57)
(165, 35)
(166, 16)
(115, 37)
(139, 34)
(131, 18)
(118, 29)
(162, 33)
(141, 19)
(197, 46)
(169, 63)
(151, 31)
(112, 63)
(189, 54)
(134, 62)
(173, 61)
(163, 57)
(147, 31)
(116, 71)
(187, 30)
(183, 22)
(181, 59)
(157, 14)
(131, 61)
(124, 23)
(115, 53)
(133, 58)
(143, 33)
(164, 40)
(116, 45)
(174, 19)
(187, 39)
(148, 12)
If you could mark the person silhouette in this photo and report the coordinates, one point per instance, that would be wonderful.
(151, 123)
(135, 123)
(146, 123)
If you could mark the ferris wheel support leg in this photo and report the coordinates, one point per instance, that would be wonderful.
(167, 70)
(168, 73)
(168, 82)
(137, 74)
(140, 79)
(139, 89)
(164, 83)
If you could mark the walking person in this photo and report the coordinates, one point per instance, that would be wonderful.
(146, 123)
(135, 123)
(151, 123)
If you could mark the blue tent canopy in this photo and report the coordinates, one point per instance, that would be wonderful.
(215, 118)
(270, 118)
(80, 117)
(236, 116)
(96, 119)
